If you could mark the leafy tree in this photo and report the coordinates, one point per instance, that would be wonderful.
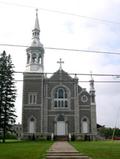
(108, 133)
(7, 94)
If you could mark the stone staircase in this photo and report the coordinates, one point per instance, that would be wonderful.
(66, 155)
(63, 150)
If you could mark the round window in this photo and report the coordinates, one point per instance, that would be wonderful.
(84, 98)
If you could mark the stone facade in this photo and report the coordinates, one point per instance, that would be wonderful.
(55, 105)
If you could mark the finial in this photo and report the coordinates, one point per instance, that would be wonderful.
(60, 62)
(91, 82)
(76, 76)
(36, 11)
(91, 75)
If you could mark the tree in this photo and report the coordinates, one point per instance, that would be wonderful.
(109, 133)
(7, 95)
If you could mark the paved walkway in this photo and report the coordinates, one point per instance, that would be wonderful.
(63, 150)
(62, 146)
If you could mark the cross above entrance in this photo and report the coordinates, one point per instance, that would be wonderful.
(60, 62)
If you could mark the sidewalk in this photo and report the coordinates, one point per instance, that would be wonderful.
(63, 150)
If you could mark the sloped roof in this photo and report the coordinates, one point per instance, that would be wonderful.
(61, 74)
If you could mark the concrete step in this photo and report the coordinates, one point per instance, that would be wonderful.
(63, 150)
(65, 155)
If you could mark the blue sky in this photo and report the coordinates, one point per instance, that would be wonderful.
(67, 31)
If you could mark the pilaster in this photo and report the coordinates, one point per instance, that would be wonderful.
(45, 126)
(42, 103)
(93, 119)
(76, 109)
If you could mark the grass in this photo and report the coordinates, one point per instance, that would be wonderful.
(99, 149)
(37, 150)
(24, 150)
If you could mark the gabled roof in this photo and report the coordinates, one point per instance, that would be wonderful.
(61, 75)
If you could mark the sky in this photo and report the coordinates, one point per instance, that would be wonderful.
(92, 25)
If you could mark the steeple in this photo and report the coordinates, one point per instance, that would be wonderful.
(92, 83)
(36, 30)
(37, 21)
(92, 90)
(35, 53)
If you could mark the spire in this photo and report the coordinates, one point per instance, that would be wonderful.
(91, 83)
(36, 30)
(37, 21)
(92, 89)
(35, 53)
(91, 75)
(36, 33)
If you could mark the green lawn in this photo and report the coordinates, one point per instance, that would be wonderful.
(99, 149)
(24, 150)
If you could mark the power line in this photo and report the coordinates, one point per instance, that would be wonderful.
(79, 74)
(18, 5)
(79, 50)
(75, 74)
(67, 74)
(83, 81)
(12, 45)
(67, 49)
(61, 12)
(79, 81)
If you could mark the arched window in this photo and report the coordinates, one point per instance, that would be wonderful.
(85, 125)
(28, 58)
(60, 93)
(60, 98)
(32, 98)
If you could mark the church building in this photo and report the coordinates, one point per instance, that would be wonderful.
(54, 106)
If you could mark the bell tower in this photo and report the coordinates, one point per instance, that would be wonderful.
(33, 86)
(35, 53)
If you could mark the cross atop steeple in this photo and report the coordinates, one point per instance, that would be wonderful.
(60, 62)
